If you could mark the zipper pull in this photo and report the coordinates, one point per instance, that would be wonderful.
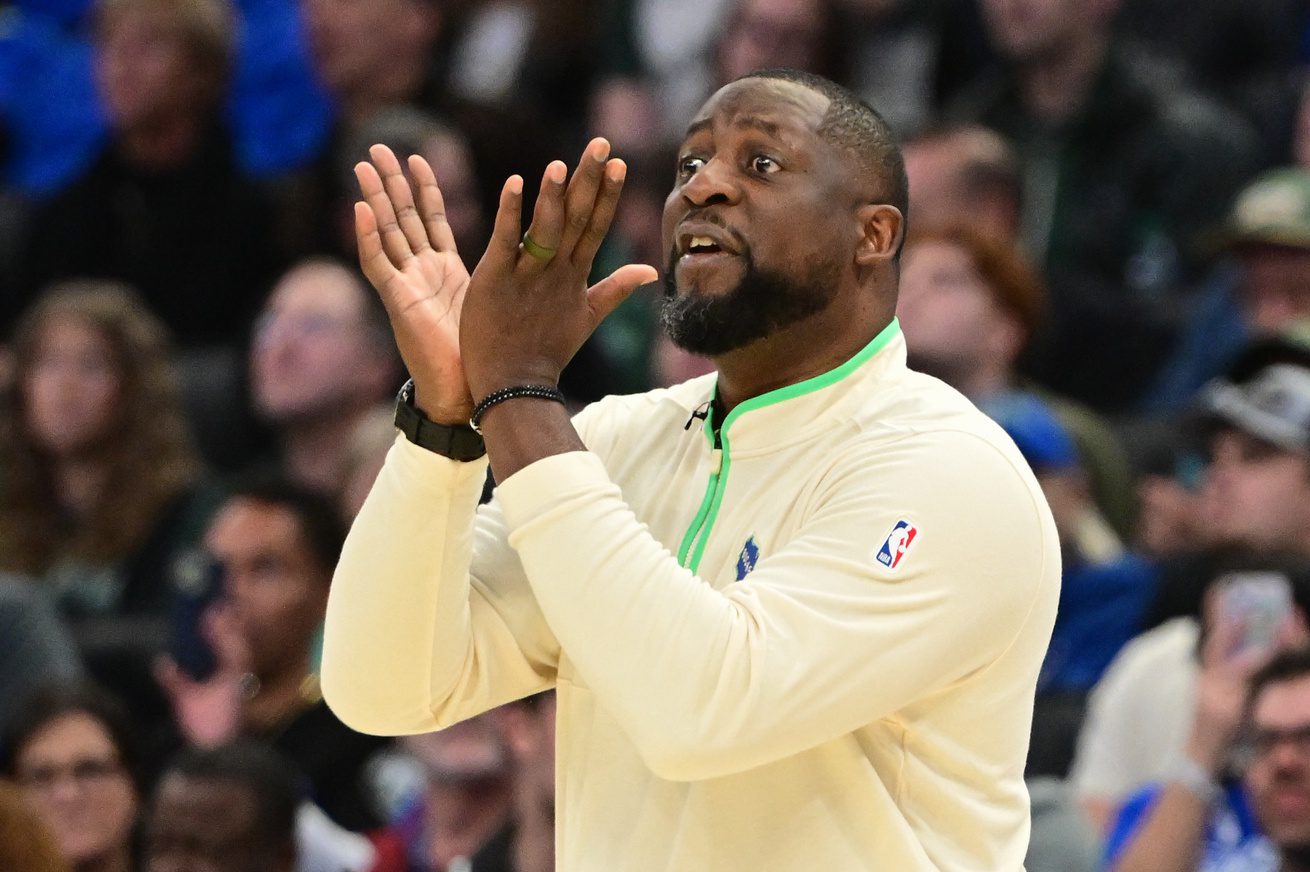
(716, 461)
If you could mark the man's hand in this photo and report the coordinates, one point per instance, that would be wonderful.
(528, 313)
(408, 253)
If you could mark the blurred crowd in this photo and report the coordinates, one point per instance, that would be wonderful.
(1109, 253)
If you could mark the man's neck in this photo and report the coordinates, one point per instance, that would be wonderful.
(814, 346)
(163, 144)
(314, 448)
(1057, 85)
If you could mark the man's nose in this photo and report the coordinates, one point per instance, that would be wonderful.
(712, 184)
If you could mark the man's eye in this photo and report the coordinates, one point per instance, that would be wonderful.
(689, 166)
(762, 164)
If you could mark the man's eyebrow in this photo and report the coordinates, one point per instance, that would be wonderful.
(749, 122)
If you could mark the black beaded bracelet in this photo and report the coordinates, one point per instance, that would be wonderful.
(541, 392)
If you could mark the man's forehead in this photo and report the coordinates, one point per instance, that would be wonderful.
(762, 103)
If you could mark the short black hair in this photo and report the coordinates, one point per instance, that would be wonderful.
(273, 783)
(1285, 666)
(51, 702)
(852, 124)
(319, 520)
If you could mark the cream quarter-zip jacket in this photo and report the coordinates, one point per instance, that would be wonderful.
(812, 646)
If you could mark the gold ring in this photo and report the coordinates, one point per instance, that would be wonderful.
(532, 247)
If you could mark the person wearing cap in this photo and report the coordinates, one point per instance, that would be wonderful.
(1257, 288)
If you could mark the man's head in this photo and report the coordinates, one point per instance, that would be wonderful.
(790, 195)
(157, 59)
(1269, 232)
(1257, 492)
(1035, 32)
(322, 347)
(226, 809)
(968, 305)
(1278, 771)
(278, 545)
(965, 175)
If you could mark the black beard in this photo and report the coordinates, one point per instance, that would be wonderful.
(761, 304)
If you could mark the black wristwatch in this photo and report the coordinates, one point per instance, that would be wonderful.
(459, 442)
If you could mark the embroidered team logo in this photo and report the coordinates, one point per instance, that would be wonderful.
(897, 543)
(750, 555)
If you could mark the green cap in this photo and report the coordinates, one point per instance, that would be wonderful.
(1272, 210)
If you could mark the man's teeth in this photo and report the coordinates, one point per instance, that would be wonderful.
(701, 243)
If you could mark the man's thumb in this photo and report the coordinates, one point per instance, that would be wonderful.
(606, 295)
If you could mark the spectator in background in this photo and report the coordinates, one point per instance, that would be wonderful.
(277, 545)
(321, 359)
(163, 207)
(226, 809)
(1204, 817)
(38, 649)
(1256, 496)
(528, 726)
(1257, 288)
(25, 842)
(968, 305)
(73, 753)
(1121, 174)
(102, 488)
(965, 176)
(1256, 500)
(457, 818)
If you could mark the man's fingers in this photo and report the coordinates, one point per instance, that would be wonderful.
(606, 295)
(431, 205)
(607, 202)
(580, 201)
(548, 213)
(394, 242)
(377, 267)
(504, 245)
(402, 198)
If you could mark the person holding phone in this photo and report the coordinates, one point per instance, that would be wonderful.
(1200, 817)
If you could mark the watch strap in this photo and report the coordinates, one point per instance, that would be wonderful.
(458, 442)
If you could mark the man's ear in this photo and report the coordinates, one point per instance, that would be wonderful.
(882, 229)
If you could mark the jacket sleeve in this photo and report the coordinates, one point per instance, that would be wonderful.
(820, 639)
(430, 619)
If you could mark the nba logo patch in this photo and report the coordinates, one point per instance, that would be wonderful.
(750, 555)
(897, 543)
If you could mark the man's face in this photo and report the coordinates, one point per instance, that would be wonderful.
(1257, 495)
(1037, 30)
(1275, 286)
(207, 825)
(278, 592)
(1279, 775)
(760, 224)
(312, 355)
(951, 320)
